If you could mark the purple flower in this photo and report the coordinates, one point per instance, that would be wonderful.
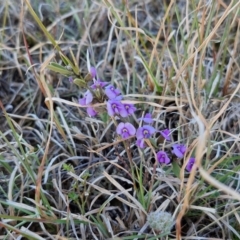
(112, 92)
(99, 84)
(91, 112)
(129, 108)
(140, 143)
(70, 79)
(126, 129)
(118, 98)
(147, 118)
(145, 132)
(116, 107)
(162, 157)
(88, 97)
(93, 72)
(190, 163)
(166, 134)
(179, 150)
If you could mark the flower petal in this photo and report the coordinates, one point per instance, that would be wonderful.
(147, 118)
(140, 143)
(179, 150)
(118, 98)
(110, 109)
(93, 72)
(98, 84)
(82, 101)
(166, 134)
(91, 112)
(190, 164)
(122, 111)
(125, 135)
(112, 92)
(139, 133)
(119, 128)
(131, 128)
(89, 97)
(150, 129)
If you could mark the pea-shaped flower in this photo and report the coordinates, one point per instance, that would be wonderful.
(190, 164)
(99, 84)
(88, 97)
(147, 118)
(162, 157)
(91, 112)
(112, 92)
(126, 130)
(129, 108)
(116, 107)
(179, 150)
(144, 132)
(166, 134)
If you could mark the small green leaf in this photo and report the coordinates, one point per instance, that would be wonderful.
(153, 142)
(59, 69)
(68, 62)
(176, 169)
(73, 57)
(43, 28)
(68, 167)
(73, 196)
(80, 82)
(86, 175)
(104, 116)
(65, 59)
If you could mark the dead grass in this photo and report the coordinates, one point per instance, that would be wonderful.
(67, 176)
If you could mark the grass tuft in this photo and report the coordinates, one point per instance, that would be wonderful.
(66, 175)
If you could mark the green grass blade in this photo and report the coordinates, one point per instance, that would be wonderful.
(40, 24)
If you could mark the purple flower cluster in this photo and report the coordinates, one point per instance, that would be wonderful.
(145, 132)
(112, 94)
(115, 107)
(179, 151)
(127, 129)
(114, 104)
(91, 93)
